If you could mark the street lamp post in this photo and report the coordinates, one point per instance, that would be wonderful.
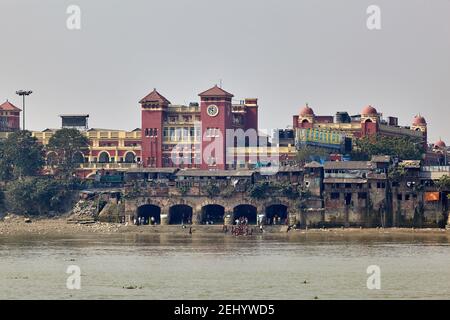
(23, 93)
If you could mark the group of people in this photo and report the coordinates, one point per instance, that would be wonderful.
(276, 220)
(144, 221)
(241, 228)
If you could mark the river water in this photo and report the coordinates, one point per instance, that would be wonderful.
(216, 266)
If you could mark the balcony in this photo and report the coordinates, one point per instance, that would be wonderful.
(111, 166)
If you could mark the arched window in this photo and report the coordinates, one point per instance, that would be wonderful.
(78, 157)
(130, 157)
(103, 157)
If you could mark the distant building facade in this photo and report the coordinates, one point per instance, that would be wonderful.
(9, 117)
(175, 135)
(368, 122)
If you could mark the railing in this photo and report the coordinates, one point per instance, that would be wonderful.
(184, 109)
(436, 168)
(118, 165)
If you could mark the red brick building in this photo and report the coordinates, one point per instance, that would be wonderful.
(9, 117)
(368, 122)
(175, 135)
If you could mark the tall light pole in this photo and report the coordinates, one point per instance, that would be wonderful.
(23, 93)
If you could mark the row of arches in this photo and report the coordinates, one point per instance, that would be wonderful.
(212, 214)
(52, 158)
(103, 157)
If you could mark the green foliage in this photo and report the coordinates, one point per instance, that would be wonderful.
(308, 153)
(304, 195)
(227, 192)
(397, 173)
(36, 196)
(265, 189)
(67, 143)
(184, 189)
(258, 190)
(444, 183)
(20, 155)
(405, 148)
(212, 190)
(2, 200)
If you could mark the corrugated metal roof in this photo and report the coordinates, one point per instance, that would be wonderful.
(344, 180)
(215, 173)
(313, 164)
(153, 170)
(349, 165)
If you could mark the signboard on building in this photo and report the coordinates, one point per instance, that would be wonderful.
(322, 138)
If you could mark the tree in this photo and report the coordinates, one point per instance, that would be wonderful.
(68, 144)
(35, 196)
(443, 183)
(404, 148)
(397, 173)
(20, 155)
(212, 190)
(309, 153)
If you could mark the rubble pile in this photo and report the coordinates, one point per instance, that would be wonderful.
(84, 210)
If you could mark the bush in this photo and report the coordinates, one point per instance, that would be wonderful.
(35, 196)
(212, 190)
(2, 200)
(258, 190)
(184, 189)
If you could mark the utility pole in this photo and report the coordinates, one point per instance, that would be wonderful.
(23, 94)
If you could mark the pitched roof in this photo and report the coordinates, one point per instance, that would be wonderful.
(313, 164)
(348, 165)
(215, 173)
(154, 96)
(345, 180)
(215, 92)
(8, 106)
(153, 170)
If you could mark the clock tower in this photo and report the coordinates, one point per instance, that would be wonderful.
(216, 116)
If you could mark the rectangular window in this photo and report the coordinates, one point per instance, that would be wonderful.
(362, 195)
(335, 195)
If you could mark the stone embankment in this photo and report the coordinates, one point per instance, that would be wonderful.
(12, 225)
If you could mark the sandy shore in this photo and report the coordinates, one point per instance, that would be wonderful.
(59, 226)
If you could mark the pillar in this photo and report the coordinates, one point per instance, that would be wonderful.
(196, 216)
(228, 217)
(164, 216)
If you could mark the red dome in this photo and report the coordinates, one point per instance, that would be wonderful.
(440, 144)
(369, 110)
(419, 121)
(306, 111)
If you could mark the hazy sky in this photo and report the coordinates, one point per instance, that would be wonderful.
(285, 53)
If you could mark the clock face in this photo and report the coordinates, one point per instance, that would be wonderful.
(212, 110)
